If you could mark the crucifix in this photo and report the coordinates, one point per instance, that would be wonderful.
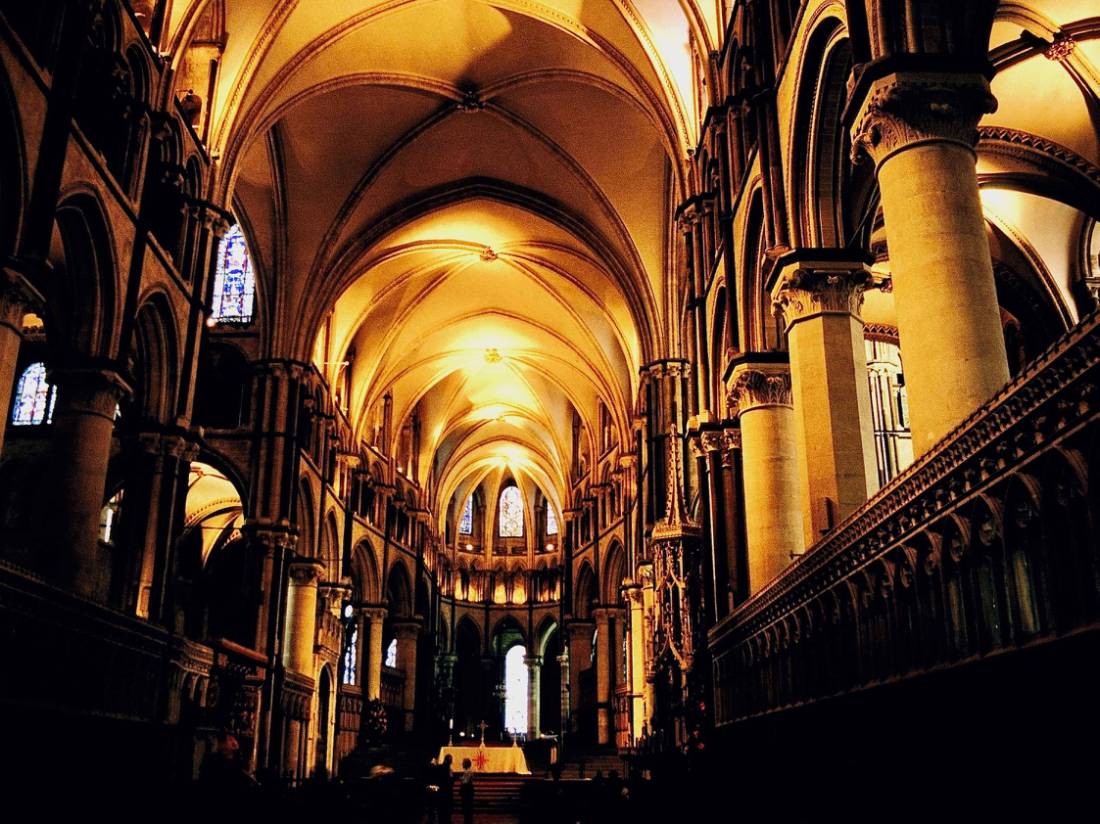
(483, 726)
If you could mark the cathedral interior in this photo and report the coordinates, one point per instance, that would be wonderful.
(702, 389)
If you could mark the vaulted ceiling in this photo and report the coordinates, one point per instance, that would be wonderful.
(466, 204)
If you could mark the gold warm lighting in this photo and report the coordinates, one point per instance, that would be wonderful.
(492, 355)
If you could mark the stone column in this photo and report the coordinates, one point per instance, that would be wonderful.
(16, 294)
(649, 605)
(376, 616)
(820, 301)
(603, 675)
(534, 683)
(636, 664)
(83, 423)
(407, 632)
(733, 490)
(920, 130)
(580, 653)
(301, 609)
(761, 393)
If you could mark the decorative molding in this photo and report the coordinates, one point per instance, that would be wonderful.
(1027, 144)
(1050, 398)
(807, 293)
(906, 109)
(758, 386)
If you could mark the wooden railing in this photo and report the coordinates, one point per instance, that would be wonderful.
(986, 544)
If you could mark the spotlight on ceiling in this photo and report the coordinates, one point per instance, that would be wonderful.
(492, 355)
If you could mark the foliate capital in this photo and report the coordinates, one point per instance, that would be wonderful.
(757, 386)
(305, 571)
(809, 291)
(374, 614)
(905, 109)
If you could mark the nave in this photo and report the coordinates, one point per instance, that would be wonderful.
(703, 390)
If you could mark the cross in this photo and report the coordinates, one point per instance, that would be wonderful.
(483, 726)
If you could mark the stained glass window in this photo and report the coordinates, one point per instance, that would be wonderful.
(234, 283)
(551, 521)
(466, 525)
(511, 513)
(351, 649)
(34, 397)
(391, 654)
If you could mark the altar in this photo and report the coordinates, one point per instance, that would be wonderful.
(487, 759)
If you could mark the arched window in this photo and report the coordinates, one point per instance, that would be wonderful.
(466, 525)
(234, 283)
(510, 514)
(551, 521)
(391, 654)
(515, 690)
(34, 397)
(351, 646)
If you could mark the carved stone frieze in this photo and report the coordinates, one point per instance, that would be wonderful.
(908, 108)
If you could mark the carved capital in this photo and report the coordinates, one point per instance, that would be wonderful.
(532, 661)
(16, 297)
(906, 109)
(712, 441)
(90, 391)
(807, 292)
(269, 536)
(374, 614)
(305, 571)
(406, 630)
(760, 385)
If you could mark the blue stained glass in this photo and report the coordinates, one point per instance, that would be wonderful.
(466, 525)
(34, 398)
(511, 513)
(234, 282)
(551, 521)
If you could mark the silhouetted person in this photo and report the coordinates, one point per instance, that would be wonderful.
(445, 798)
(467, 792)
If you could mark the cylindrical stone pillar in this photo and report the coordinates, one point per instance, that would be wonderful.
(920, 130)
(301, 626)
(83, 423)
(376, 616)
(820, 301)
(636, 662)
(534, 683)
(773, 514)
(603, 675)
